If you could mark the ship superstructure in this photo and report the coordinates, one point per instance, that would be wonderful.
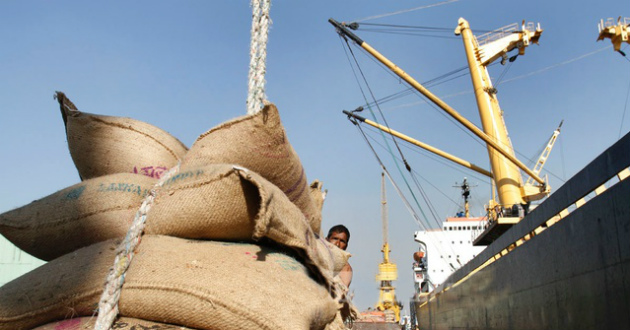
(446, 249)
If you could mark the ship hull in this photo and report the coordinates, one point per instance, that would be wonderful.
(575, 274)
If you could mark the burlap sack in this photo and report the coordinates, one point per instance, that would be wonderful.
(121, 323)
(258, 142)
(197, 284)
(101, 145)
(91, 211)
(226, 202)
(219, 202)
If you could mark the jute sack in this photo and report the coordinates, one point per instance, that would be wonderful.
(122, 323)
(259, 143)
(101, 145)
(226, 202)
(91, 211)
(219, 202)
(193, 283)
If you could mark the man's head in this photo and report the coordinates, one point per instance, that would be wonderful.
(339, 235)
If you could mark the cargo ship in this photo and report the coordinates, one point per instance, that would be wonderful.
(560, 265)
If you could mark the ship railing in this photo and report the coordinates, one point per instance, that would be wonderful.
(610, 22)
(497, 34)
(482, 225)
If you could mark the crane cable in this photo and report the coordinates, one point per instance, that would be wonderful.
(405, 10)
(410, 208)
(372, 113)
(625, 107)
(407, 91)
(424, 225)
(408, 167)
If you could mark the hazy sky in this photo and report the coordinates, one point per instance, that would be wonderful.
(183, 65)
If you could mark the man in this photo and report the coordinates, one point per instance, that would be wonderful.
(339, 235)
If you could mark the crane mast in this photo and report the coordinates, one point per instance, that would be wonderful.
(387, 271)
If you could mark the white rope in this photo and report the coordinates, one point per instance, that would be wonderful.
(108, 305)
(258, 55)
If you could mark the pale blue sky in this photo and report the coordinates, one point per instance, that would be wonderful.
(182, 66)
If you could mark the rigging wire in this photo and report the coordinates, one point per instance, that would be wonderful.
(564, 170)
(415, 34)
(625, 107)
(623, 116)
(410, 90)
(383, 135)
(412, 27)
(558, 64)
(413, 176)
(505, 70)
(429, 83)
(422, 224)
(438, 159)
(378, 159)
(431, 104)
(623, 53)
(373, 97)
(408, 167)
(408, 205)
(408, 145)
(405, 10)
(414, 30)
(478, 141)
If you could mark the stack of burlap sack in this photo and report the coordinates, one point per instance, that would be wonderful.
(231, 241)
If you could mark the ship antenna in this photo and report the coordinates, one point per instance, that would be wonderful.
(466, 194)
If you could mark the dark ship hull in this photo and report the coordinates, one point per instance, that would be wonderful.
(574, 274)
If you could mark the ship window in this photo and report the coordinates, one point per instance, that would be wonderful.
(459, 228)
(460, 242)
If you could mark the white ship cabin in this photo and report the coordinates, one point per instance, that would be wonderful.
(447, 249)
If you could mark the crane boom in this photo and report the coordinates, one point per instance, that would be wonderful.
(545, 154)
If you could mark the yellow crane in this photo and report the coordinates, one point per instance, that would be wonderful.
(387, 271)
(617, 33)
(513, 194)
